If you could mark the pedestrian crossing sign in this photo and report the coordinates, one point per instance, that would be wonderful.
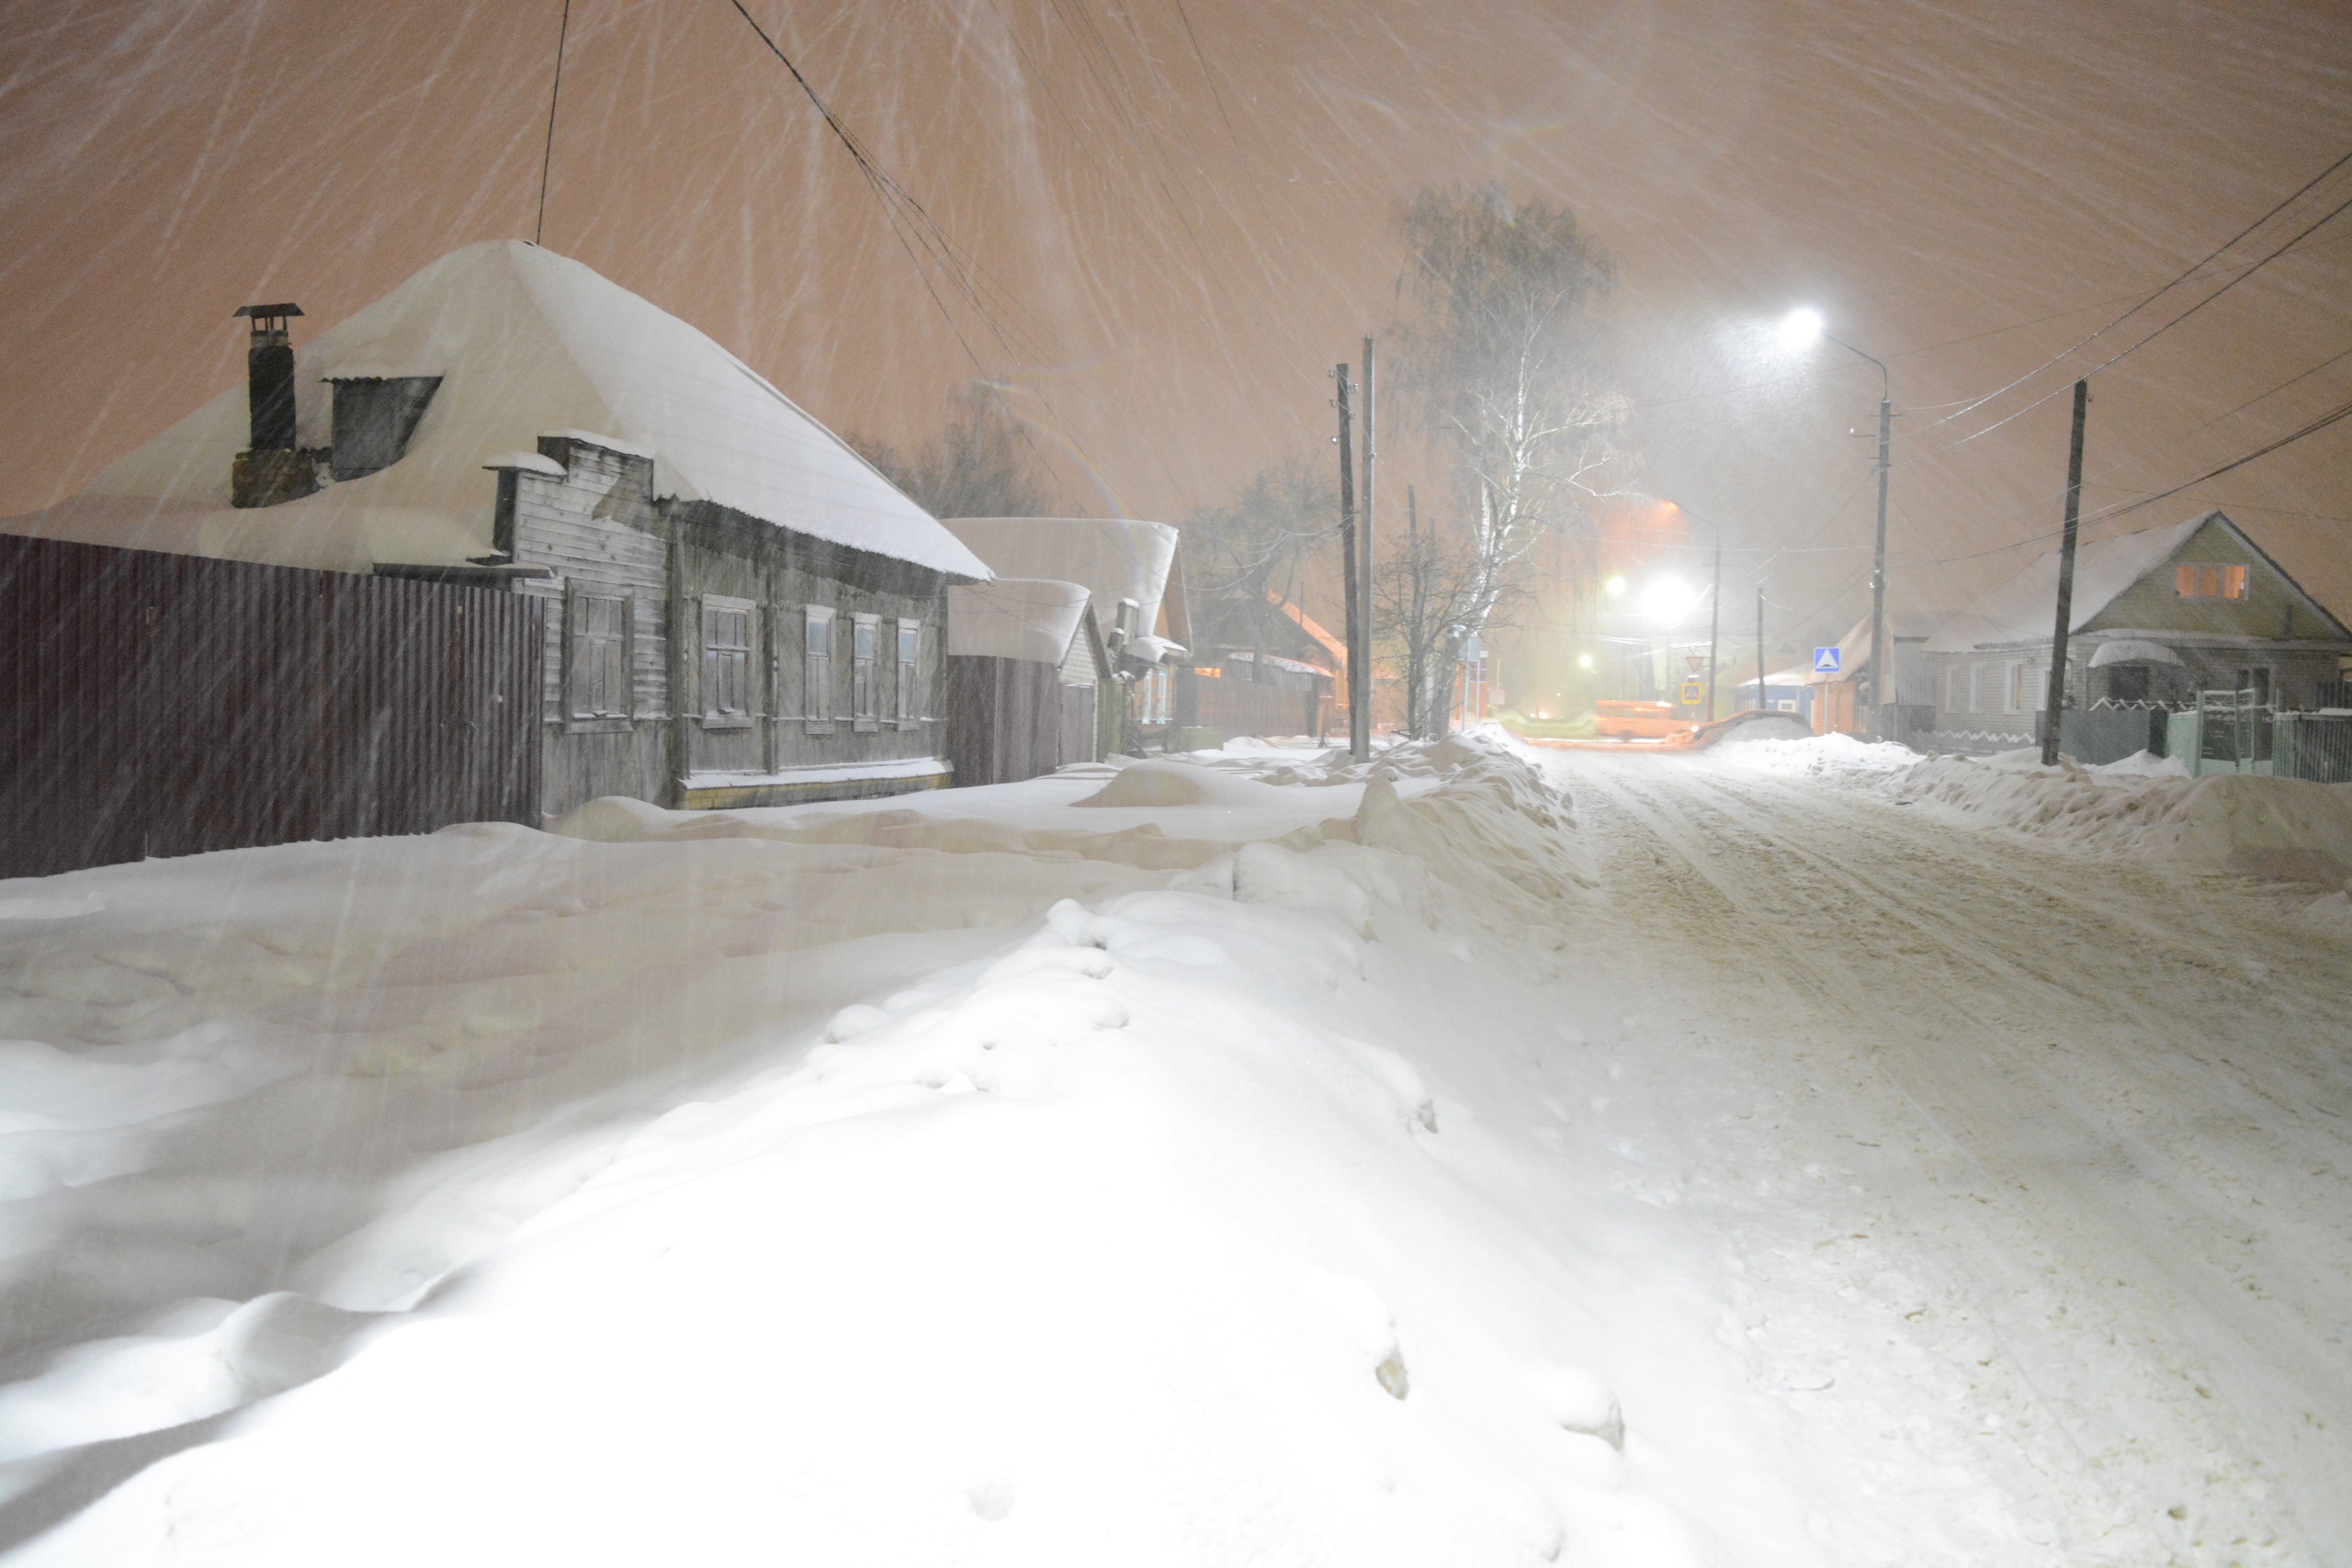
(1691, 694)
(1825, 661)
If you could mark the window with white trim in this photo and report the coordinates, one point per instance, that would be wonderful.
(726, 662)
(1952, 690)
(864, 693)
(909, 712)
(597, 667)
(817, 670)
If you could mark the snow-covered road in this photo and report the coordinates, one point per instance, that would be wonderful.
(1763, 1157)
(2033, 1164)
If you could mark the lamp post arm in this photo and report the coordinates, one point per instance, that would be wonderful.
(1886, 381)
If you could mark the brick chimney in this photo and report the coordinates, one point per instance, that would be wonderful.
(272, 470)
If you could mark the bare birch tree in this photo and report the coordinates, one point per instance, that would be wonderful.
(1243, 554)
(1501, 355)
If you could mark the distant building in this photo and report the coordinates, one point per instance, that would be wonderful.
(1134, 579)
(2157, 616)
(741, 610)
(1838, 701)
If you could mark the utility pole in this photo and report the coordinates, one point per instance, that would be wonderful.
(1714, 629)
(2055, 706)
(1759, 651)
(1416, 701)
(1364, 539)
(1359, 683)
(1878, 568)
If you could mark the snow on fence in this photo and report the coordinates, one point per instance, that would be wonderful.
(165, 704)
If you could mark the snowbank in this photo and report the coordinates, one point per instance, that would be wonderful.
(865, 1185)
(2288, 830)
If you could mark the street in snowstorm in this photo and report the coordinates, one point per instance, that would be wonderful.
(1194, 784)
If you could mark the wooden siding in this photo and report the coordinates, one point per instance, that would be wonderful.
(599, 530)
(781, 573)
(1005, 718)
(2274, 607)
(166, 705)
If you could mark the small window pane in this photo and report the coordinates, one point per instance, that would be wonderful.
(2234, 583)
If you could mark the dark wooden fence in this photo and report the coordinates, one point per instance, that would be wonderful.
(1287, 703)
(164, 704)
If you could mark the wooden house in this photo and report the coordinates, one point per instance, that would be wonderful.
(1838, 701)
(740, 611)
(1134, 579)
(1029, 680)
(2158, 616)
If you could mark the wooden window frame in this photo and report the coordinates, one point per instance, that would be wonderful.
(865, 672)
(715, 658)
(2211, 579)
(577, 638)
(907, 673)
(817, 669)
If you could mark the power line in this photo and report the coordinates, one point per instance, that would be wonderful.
(547, 158)
(2313, 428)
(2151, 298)
(2144, 343)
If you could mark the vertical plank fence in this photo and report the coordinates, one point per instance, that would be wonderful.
(167, 705)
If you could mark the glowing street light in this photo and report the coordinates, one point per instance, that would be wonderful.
(1584, 660)
(1613, 587)
(1801, 327)
(1667, 602)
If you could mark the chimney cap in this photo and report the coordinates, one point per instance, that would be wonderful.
(264, 313)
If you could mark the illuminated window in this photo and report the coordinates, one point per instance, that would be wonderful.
(2198, 582)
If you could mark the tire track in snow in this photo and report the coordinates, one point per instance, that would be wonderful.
(1920, 914)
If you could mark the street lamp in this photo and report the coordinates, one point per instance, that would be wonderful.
(1800, 328)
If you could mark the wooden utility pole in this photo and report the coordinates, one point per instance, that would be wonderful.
(2055, 706)
(1714, 629)
(1417, 674)
(1760, 706)
(1359, 663)
(1364, 537)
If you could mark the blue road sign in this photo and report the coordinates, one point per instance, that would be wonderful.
(1825, 661)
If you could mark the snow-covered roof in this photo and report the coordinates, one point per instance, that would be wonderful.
(2022, 609)
(1014, 617)
(526, 342)
(1113, 557)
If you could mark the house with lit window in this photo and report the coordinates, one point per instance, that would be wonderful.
(2157, 616)
(739, 609)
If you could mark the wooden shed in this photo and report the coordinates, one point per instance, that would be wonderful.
(1030, 686)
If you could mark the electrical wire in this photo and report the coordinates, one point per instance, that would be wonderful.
(547, 158)
(2154, 296)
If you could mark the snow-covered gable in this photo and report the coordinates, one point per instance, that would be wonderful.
(1113, 558)
(528, 343)
(1014, 618)
(2020, 610)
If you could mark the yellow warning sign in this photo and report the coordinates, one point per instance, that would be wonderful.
(1693, 692)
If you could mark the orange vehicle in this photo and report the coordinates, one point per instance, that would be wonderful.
(1625, 720)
